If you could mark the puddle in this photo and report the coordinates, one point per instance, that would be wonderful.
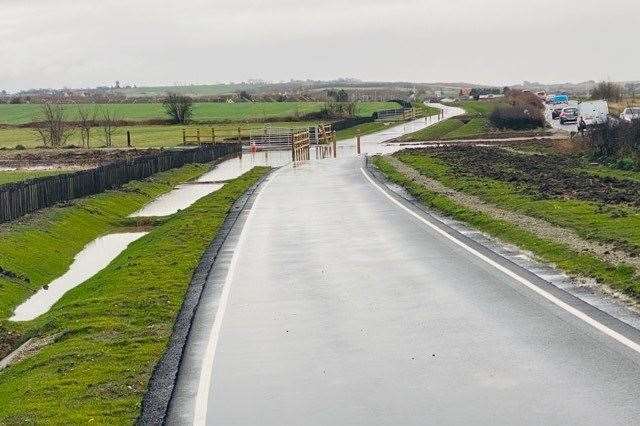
(178, 199)
(235, 167)
(94, 257)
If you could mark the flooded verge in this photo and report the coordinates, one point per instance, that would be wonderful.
(236, 167)
(178, 199)
(94, 257)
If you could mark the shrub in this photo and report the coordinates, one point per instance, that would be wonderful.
(626, 163)
(516, 117)
(615, 139)
(607, 90)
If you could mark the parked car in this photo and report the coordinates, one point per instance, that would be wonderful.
(555, 113)
(560, 99)
(630, 114)
(569, 115)
(592, 113)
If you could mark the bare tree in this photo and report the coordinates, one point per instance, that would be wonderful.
(178, 107)
(607, 90)
(86, 120)
(109, 122)
(54, 131)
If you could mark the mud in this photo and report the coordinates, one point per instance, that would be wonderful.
(542, 176)
(65, 158)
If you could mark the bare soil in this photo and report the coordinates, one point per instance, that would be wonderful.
(77, 157)
(543, 176)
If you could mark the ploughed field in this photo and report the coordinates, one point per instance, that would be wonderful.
(539, 175)
(599, 203)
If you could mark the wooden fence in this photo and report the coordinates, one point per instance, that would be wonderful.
(300, 146)
(20, 198)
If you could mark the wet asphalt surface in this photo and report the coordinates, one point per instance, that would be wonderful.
(344, 309)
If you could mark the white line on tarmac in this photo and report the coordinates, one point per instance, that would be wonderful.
(576, 312)
(206, 372)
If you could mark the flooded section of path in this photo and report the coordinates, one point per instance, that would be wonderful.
(235, 167)
(95, 256)
(178, 199)
(375, 143)
(186, 194)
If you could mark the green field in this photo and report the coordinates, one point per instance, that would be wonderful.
(113, 328)
(202, 112)
(144, 136)
(20, 175)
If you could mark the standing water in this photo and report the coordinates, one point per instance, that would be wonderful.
(95, 256)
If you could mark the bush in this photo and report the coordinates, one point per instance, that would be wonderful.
(625, 163)
(516, 117)
(615, 139)
(607, 90)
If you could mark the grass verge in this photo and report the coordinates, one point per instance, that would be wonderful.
(20, 175)
(115, 326)
(621, 276)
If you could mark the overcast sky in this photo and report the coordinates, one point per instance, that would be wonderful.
(80, 43)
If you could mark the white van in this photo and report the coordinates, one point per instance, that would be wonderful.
(592, 113)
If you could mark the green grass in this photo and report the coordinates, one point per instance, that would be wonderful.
(604, 171)
(41, 247)
(143, 136)
(20, 175)
(116, 325)
(455, 128)
(475, 126)
(435, 132)
(619, 276)
(362, 129)
(202, 111)
(608, 224)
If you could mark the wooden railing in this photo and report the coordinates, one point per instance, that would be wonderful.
(300, 146)
(326, 137)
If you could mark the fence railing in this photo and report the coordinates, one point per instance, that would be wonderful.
(396, 114)
(20, 198)
(300, 146)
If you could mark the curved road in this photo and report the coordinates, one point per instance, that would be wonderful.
(337, 304)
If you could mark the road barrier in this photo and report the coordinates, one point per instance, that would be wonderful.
(300, 146)
(20, 198)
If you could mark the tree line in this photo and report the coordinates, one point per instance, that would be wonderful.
(54, 129)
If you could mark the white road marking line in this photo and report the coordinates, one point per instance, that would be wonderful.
(206, 372)
(553, 299)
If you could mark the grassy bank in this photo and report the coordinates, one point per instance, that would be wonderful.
(618, 276)
(115, 326)
(40, 247)
(475, 122)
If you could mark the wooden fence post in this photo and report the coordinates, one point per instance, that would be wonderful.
(184, 136)
(128, 138)
(198, 136)
(213, 135)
